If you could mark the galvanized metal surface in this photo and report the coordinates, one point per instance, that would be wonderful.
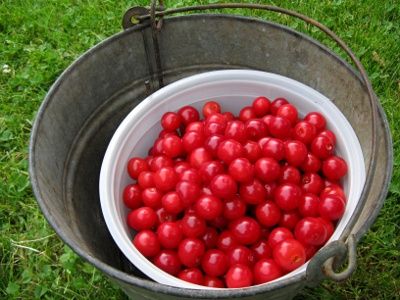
(86, 104)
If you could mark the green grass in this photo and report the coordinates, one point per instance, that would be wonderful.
(39, 39)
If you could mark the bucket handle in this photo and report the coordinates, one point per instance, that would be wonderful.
(329, 258)
(321, 265)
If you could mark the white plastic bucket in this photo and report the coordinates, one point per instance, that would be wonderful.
(233, 89)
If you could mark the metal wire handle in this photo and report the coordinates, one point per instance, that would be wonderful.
(137, 17)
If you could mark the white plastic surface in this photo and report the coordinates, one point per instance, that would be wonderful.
(233, 89)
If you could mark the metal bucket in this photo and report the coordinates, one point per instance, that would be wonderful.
(86, 104)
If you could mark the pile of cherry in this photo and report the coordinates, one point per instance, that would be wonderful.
(234, 201)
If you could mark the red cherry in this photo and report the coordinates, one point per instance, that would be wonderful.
(211, 107)
(181, 167)
(168, 261)
(217, 118)
(211, 144)
(188, 115)
(223, 186)
(192, 140)
(295, 152)
(266, 270)
(157, 147)
(312, 183)
(322, 147)
(287, 196)
(146, 179)
(148, 159)
(329, 134)
(171, 121)
(199, 156)
(316, 119)
(246, 230)
(209, 170)
(261, 106)
(274, 148)
(172, 146)
(329, 183)
(132, 196)
(195, 126)
(188, 192)
(214, 263)
(289, 112)
(311, 164)
(304, 132)
(268, 213)
(152, 197)
(164, 216)
(169, 235)
(236, 130)
(310, 251)
(252, 151)
(208, 207)
(247, 113)
(290, 174)
(192, 275)
(165, 133)
(136, 165)
(255, 129)
(229, 150)
(147, 243)
(213, 128)
(210, 238)
(193, 226)
(331, 207)
(190, 252)
(228, 116)
(191, 175)
(165, 179)
(160, 161)
(334, 168)
(310, 231)
(261, 250)
(142, 218)
(268, 120)
(253, 192)
(329, 227)
(172, 203)
(290, 219)
(241, 170)
(289, 254)
(267, 169)
(239, 276)
(240, 255)
(213, 282)
(278, 102)
(333, 189)
(309, 205)
(279, 127)
(278, 235)
(234, 208)
(226, 241)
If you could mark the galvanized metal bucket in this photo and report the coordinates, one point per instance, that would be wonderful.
(86, 104)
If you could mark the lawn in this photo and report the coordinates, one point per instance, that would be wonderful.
(40, 38)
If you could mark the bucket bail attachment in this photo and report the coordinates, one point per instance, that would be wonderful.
(134, 16)
(331, 257)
